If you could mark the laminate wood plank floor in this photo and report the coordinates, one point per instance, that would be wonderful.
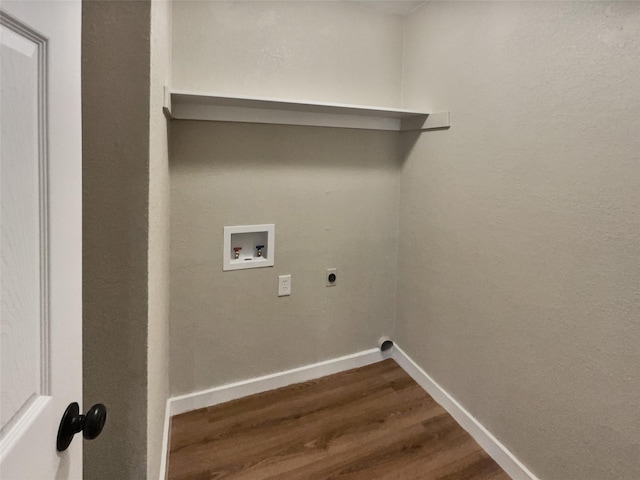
(369, 423)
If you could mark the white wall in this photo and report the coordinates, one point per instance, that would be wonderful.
(316, 51)
(158, 289)
(519, 286)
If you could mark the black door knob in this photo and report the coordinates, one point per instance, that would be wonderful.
(73, 422)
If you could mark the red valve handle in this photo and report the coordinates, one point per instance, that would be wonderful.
(235, 249)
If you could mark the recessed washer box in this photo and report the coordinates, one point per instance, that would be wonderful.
(248, 246)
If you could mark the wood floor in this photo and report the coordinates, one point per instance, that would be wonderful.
(370, 423)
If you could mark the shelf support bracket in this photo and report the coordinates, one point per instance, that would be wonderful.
(425, 123)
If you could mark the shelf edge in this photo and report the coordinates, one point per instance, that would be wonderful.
(183, 105)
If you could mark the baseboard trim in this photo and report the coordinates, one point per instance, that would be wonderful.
(232, 391)
(226, 393)
(166, 432)
(501, 454)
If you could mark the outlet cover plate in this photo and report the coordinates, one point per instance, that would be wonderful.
(284, 285)
(329, 272)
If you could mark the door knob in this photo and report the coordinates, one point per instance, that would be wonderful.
(74, 422)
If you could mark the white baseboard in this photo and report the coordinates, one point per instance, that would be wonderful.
(232, 391)
(490, 444)
(193, 401)
(166, 433)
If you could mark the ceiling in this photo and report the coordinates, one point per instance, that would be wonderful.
(396, 7)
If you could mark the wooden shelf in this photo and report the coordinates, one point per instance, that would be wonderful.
(181, 105)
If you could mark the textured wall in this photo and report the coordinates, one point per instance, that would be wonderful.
(158, 335)
(519, 286)
(331, 193)
(333, 196)
(115, 142)
(321, 51)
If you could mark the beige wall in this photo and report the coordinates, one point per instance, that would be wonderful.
(115, 142)
(520, 228)
(158, 335)
(333, 196)
(317, 51)
(331, 193)
(519, 232)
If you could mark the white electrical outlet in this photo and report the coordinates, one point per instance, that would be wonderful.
(284, 285)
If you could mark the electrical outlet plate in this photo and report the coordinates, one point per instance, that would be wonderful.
(284, 285)
(329, 272)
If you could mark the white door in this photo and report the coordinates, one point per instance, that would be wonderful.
(41, 236)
